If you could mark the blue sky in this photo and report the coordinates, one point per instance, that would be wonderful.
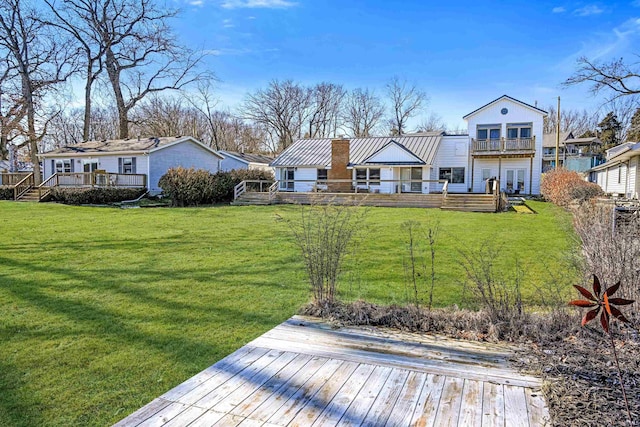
(463, 54)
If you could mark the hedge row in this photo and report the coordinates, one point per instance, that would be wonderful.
(94, 196)
(6, 193)
(194, 187)
(561, 186)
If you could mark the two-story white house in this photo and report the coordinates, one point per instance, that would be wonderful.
(504, 141)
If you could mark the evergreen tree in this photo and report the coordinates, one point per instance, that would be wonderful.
(610, 129)
(634, 128)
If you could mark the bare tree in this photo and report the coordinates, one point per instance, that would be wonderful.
(165, 116)
(12, 106)
(433, 122)
(326, 104)
(41, 61)
(616, 77)
(281, 109)
(574, 121)
(139, 51)
(362, 112)
(406, 101)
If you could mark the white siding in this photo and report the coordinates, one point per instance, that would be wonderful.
(387, 187)
(186, 154)
(452, 153)
(229, 163)
(305, 174)
(517, 113)
(392, 153)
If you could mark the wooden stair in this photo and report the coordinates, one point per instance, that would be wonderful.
(252, 198)
(30, 196)
(470, 202)
(403, 200)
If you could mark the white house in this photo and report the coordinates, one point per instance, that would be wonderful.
(619, 174)
(148, 157)
(234, 160)
(504, 141)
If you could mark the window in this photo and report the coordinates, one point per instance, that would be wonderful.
(619, 174)
(64, 166)
(512, 133)
(374, 176)
(361, 176)
(127, 165)
(488, 132)
(482, 133)
(368, 176)
(518, 130)
(453, 175)
(322, 174)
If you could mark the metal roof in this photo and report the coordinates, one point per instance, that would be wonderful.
(317, 152)
(248, 157)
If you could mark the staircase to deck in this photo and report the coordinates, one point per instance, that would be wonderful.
(32, 195)
(470, 202)
(252, 198)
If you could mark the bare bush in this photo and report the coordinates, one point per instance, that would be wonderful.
(561, 186)
(325, 233)
(419, 265)
(498, 294)
(613, 251)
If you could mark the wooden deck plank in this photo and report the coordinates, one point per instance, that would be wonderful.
(233, 399)
(471, 406)
(363, 402)
(402, 412)
(186, 417)
(342, 400)
(311, 408)
(515, 406)
(210, 400)
(493, 405)
(386, 400)
(162, 417)
(207, 419)
(292, 388)
(450, 401)
(537, 409)
(224, 365)
(226, 373)
(425, 413)
(430, 366)
(258, 397)
(229, 420)
(143, 413)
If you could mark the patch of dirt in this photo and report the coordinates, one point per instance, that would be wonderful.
(581, 383)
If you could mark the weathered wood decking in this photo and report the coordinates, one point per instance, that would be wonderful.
(304, 373)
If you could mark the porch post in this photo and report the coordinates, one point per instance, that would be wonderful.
(473, 160)
(531, 175)
(499, 169)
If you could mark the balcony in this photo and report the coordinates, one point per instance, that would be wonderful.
(503, 146)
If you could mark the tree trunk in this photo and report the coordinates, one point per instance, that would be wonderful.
(27, 92)
(86, 128)
(114, 79)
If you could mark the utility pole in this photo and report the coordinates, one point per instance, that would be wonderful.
(558, 136)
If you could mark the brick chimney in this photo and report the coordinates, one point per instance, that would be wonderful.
(339, 162)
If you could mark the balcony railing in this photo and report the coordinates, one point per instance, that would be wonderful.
(97, 179)
(503, 145)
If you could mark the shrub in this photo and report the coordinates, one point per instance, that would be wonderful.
(94, 196)
(188, 187)
(191, 187)
(6, 193)
(561, 187)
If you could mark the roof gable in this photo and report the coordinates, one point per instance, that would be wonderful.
(247, 157)
(508, 98)
(393, 153)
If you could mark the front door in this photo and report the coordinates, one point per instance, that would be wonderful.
(89, 166)
(411, 180)
(515, 181)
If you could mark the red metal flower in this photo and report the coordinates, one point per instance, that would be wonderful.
(603, 303)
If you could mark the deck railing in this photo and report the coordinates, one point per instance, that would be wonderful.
(343, 186)
(23, 186)
(12, 178)
(503, 145)
(100, 179)
(44, 189)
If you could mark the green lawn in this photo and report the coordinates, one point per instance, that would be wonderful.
(102, 309)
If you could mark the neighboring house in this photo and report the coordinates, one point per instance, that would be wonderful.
(619, 174)
(149, 157)
(233, 160)
(504, 142)
(576, 154)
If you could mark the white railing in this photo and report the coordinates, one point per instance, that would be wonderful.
(239, 189)
(503, 144)
(445, 189)
(273, 191)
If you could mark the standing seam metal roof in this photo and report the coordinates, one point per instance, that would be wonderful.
(317, 152)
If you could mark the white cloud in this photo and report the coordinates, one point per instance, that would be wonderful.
(588, 10)
(227, 23)
(196, 2)
(560, 9)
(253, 17)
(254, 4)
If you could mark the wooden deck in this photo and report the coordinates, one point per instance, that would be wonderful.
(304, 373)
